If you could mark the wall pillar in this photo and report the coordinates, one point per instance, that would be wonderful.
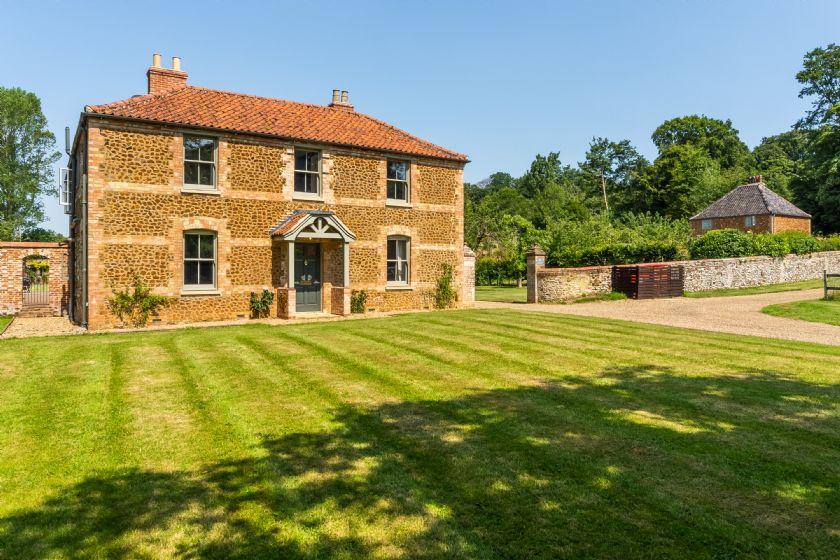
(468, 282)
(340, 301)
(286, 303)
(535, 258)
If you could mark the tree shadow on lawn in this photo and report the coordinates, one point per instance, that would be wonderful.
(636, 462)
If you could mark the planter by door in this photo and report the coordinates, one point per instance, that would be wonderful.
(308, 276)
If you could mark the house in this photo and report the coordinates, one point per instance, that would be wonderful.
(751, 207)
(209, 196)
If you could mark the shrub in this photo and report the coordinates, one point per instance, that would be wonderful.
(622, 253)
(769, 244)
(260, 305)
(799, 242)
(830, 243)
(444, 293)
(721, 244)
(358, 301)
(133, 306)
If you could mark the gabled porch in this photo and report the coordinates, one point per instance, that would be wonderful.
(311, 264)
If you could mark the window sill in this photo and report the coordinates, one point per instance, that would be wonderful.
(186, 292)
(306, 196)
(398, 203)
(190, 190)
(398, 287)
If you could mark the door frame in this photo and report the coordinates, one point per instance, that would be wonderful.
(320, 278)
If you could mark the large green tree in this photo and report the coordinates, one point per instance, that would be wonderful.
(779, 160)
(27, 153)
(612, 172)
(818, 185)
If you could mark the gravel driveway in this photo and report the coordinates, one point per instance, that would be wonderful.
(734, 314)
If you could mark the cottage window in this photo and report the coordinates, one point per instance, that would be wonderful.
(398, 255)
(308, 172)
(199, 260)
(749, 221)
(706, 224)
(199, 162)
(398, 181)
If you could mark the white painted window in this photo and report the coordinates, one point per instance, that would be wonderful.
(308, 172)
(706, 224)
(199, 260)
(199, 162)
(398, 188)
(749, 221)
(398, 257)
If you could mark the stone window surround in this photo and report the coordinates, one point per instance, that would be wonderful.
(191, 288)
(408, 184)
(413, 253)
(197, 189)
(223, 248)
(296, 195)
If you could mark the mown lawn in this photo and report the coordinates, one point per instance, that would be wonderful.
(815, 310)
(465, 434)
(4, 322)
(768, 289)
(507, 294)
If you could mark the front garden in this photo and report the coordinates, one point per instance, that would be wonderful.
(462, 434)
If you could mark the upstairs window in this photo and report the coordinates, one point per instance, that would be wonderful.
(706, 224)
(398, 181)
(749, 221)
(199, 162)
(308, 172)
(199, 260)
(398, 254)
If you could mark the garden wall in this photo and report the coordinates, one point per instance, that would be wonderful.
(565, 284)
(11, 274)
(745, 272)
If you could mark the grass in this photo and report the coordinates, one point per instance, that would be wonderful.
(4, 322)
(507, 294)
(816, 311)
(463, 434)
(769, 289)
(612, 296)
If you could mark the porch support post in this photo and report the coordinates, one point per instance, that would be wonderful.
(346, 264)
(290, 281)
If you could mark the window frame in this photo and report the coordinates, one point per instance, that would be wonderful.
(214, 165)
(750, 221)
(318, 174)
(406, 182)
(215, 260)
(398, 283)
(706, 224)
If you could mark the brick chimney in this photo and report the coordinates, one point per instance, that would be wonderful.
(164, 79)
(341, 100)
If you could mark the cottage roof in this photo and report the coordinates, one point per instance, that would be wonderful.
(753, 199)
(312, 224)
(215, 109)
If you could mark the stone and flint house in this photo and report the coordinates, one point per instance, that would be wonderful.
(751, 207)
(209, 196)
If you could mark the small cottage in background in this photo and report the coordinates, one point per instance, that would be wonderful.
(751, 207)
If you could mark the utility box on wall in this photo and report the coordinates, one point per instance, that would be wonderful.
(647, 281)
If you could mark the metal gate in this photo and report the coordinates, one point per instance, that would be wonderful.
(36, 286)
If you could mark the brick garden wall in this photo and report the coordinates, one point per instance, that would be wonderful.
(11, 274)
(566, 284)
(138, 212)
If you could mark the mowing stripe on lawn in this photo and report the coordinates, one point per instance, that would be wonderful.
(118, 420)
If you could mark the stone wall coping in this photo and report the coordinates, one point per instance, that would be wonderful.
(576, 269)
(32, 245)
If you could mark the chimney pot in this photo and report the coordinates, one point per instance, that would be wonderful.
(336, 96)
(345, 98)
(176, 63)
(156, 60)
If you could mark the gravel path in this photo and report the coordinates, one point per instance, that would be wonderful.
(40, 326)
(734, 314)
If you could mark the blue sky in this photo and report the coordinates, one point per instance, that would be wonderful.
(499, 81)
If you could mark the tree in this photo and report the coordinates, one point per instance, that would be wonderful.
(779, 160)
(615, 169)
(27, 153)
(820, 79)
(544, 171)
(43, 235)
(719, 139)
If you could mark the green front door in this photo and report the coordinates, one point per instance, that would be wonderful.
(308, 276)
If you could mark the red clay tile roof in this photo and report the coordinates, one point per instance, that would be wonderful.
(275, 117)
(288, 223)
